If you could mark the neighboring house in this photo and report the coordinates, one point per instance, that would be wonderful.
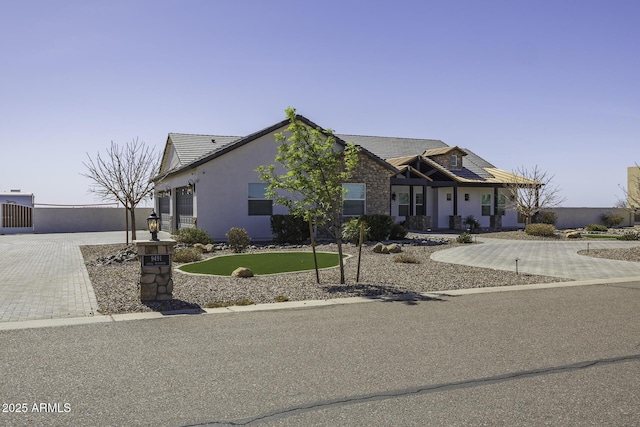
(210, 182)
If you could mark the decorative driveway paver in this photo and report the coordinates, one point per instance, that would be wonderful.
(42, 276)
(547, 258)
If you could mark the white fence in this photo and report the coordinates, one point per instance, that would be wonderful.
(77, 220)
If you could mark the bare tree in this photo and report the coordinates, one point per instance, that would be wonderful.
(531, 191)
(123, 175)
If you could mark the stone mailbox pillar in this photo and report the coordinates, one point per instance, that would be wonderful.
(155, 269)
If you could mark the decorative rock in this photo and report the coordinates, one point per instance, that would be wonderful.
(394, 248)
(378, 248)
(200, 246)
(574, 235)
(209, 248)
(242, 272)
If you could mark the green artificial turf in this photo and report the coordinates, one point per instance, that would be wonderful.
(264, 263)
(599, 236)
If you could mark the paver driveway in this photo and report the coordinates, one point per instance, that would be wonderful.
(546, 258)
(42, 276)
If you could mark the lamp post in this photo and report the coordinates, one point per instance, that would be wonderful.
(152, 225)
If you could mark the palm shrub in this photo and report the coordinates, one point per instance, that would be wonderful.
(351, 230)
(472, 222)
(191, 236)
(544, 230)
(238, 239)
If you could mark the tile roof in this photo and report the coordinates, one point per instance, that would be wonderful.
(193, 150)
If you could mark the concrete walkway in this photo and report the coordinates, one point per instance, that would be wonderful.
(546, 258)
(42, 276)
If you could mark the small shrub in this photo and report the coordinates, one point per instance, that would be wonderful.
(406, 259)
(187, 255)
(612, 219)
(289, 229)
(398, 232)
(543, 230)
(238, 239)
(464, 238)
(472, 222)
(244, 302)
(548, 217)
(218, 304)
(281, 298)
(191, 236)
(629, 236)
(379, 226)
(351, 230)
(596, 227)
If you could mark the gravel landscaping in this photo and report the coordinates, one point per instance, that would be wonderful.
(116, 284)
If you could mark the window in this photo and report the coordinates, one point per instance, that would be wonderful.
(448, 197)
(454, 161)
(403, 204)
(419, 204)
(502, 201)
(466, 197)
(354, 200)
(486, 204)
(258, 203)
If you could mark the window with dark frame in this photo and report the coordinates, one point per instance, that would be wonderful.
(354, 201)
(486, 204)
(258, 203)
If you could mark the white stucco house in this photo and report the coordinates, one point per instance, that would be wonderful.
(209, 181)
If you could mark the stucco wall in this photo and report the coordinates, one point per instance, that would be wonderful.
(580, 217)
(473, 206)
(76, 220)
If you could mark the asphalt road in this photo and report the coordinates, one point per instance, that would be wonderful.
(562, 357)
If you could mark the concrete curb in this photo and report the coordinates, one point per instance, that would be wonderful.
(29, 324)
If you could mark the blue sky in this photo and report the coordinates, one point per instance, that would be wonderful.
(520, 83)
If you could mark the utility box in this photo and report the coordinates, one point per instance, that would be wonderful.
(16, 209)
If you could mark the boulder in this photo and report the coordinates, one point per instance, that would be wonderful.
(574, 235)
(394, 248)
(209, 248)
(242, 272)
(378, 248)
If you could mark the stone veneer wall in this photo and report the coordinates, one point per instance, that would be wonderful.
(156, 283)
(445, 160)
(376, 177)
(419, 222)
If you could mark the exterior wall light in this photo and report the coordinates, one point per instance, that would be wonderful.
(152, 225)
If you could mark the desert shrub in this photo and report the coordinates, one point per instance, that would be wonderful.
(544, 230)
(612, 219)
(351, 230)
(472, 222)
(548, 217)
(244, 302)
(630, 236)
(281, 298)
(406, 259)
(187, 255)
(218, 304)
(464, 238)
(192, 235)
(289, 229)
(596, 227)
(398, 232)
(379, 226)
(238, 239)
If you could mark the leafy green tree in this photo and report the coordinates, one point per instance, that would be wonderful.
(316, 165)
